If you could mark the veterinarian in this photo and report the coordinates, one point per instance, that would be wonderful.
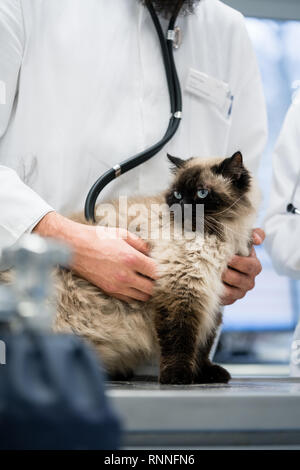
(282, 221)
(83, 87)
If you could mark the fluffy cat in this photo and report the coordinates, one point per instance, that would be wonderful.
(178, 324)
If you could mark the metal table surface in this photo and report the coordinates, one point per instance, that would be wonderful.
(249, 411)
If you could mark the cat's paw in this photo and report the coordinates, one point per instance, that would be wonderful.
(212, 374)
(176, 377)
(121, 377)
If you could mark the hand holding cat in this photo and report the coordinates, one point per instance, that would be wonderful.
(114, 260)
(240, 276)
(124, 263)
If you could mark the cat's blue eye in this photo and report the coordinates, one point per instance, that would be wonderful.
(202, 193)
(177, 195)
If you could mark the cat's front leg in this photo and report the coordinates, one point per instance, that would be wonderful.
(177, 336)
(207, 372)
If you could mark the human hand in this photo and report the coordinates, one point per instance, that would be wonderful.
(114, 260)
(239, 277)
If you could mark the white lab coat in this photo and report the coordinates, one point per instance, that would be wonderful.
(85, 89)
(282, 228)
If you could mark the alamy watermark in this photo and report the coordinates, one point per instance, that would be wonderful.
(2, 92)
(2, 353)
(152, 221)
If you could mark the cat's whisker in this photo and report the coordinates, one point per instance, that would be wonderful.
(230, 229)
(213, 228)
(232, 205)
(233, 212)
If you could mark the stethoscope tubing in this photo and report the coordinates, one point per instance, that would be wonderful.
(174, 123)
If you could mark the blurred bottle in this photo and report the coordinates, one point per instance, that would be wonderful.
(295, 354)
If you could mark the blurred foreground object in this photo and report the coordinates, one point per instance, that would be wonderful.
(51, 386)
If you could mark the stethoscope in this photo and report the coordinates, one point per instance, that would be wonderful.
(290, 207)
(167, 45)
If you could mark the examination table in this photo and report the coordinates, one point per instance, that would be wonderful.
(249, 412)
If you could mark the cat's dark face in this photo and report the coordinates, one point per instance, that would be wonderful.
(221, 186)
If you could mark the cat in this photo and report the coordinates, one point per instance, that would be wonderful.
(177, 326)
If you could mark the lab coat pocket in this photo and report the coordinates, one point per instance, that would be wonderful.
(210, 103)
(213, 90)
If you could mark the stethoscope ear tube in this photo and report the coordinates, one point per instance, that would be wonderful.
(176, 114)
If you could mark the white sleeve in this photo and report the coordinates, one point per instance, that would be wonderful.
(20, 207)
(282, 228)
(248, 131)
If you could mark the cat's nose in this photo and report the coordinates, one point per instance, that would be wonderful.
(186, 202)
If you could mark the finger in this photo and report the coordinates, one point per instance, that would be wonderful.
(136, 294)
(253, 253)
(124, 298)
(258, 236)
(257, 267)
(142, 264)
(231, 295)
(142, 284)
(236, 279)
(136, 242)
(247, 265)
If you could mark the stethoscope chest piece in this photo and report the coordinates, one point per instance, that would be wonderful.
(292, 209)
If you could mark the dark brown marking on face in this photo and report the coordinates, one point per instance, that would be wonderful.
(221, 187)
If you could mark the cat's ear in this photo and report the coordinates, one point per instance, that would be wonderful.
(176, 162)
(233, 167)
